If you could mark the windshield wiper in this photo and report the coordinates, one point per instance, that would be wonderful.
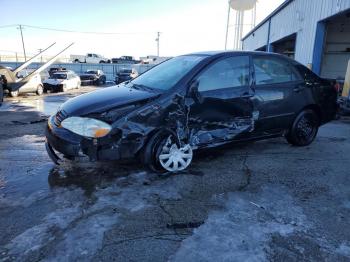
(141, 87)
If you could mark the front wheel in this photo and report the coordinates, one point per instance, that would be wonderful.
(304, 129)
(39, 90)
(14, 93)
(64, 88)
(163, 153)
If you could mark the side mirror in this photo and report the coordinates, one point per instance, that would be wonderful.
(193, 91)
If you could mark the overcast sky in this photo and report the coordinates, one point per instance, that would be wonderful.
(186, 25)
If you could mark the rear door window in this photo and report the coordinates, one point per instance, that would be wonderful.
(272, 71)
(226, 73)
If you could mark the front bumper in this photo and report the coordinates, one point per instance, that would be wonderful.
(344, 105)
(53, 88)
(71, 145)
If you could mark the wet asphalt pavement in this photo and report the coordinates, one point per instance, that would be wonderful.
(259, 201)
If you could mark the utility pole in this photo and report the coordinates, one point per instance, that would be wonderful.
(24, 49)
(157, 40)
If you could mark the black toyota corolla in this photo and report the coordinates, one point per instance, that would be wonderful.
(191, 102)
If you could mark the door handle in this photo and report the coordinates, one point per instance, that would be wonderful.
(299, 88)
(247, 95)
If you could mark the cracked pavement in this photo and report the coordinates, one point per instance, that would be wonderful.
(261, 201)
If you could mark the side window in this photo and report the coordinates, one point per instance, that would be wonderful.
(226, 73)
(89, 55)
(271, 71)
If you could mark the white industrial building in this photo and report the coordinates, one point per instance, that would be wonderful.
(313, 32)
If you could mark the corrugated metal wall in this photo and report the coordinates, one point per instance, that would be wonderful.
(301, 17)
(258, 40)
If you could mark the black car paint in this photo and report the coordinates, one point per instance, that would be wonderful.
(207, 120)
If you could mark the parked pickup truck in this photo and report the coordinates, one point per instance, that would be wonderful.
(89, 58)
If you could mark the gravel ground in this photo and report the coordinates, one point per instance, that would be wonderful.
(262, 201)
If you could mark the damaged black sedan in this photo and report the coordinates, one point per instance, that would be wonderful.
(191, 102)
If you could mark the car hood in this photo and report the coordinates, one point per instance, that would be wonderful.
(105, 99)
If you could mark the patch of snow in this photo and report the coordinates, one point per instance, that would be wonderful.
(344, 250)
(242, 230)
(76, 228)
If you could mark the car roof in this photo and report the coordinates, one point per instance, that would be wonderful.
(215, 53)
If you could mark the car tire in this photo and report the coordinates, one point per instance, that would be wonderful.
(39, 90)
(304, 128)
(1, 94)
(64, 88)
(76, 61)
(14, 93)
(161, 149)
(101, 62)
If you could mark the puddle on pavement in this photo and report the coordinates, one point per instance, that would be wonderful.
(27, 174)
(45, 106)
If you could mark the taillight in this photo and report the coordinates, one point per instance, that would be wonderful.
(337, 87)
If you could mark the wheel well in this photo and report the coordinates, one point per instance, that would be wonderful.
(156, 131)
(316, 109)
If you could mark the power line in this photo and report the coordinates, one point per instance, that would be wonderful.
(4, 26)
(76, 31)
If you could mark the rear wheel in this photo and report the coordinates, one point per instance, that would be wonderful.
(39, 90)
(1, 94)
(304, 128)
(14, 93)
(163, 153)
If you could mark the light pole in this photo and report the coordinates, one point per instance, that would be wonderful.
(24, 49)
(227, 26)
(157, 40)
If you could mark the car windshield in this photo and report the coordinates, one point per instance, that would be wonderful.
(165, 75)
(59, 76)
(125, 71)
(91, 72)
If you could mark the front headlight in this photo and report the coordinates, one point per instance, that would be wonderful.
(87, 127)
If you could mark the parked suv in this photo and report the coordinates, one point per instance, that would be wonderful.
(190, 102)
